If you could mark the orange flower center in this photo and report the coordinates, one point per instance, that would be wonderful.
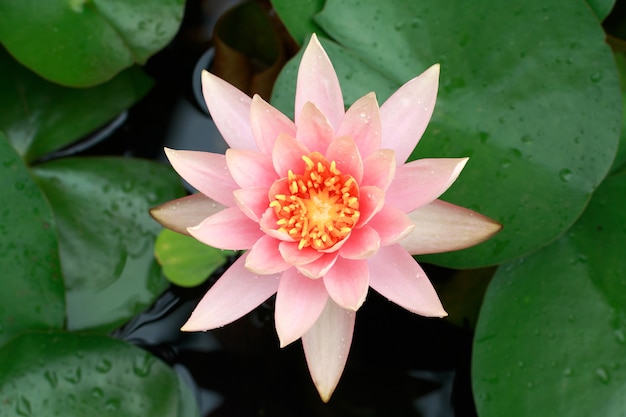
(322, 205)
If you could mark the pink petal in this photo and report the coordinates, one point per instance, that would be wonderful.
(268, 123)
(371, 200)
(319, 267)
(347, 282)
(228, 229)
(268, 226)
(205, 171)
(313, 129)
(407, 112)
(326, 347)
(444, 227)
(362, 123)
(396, 275)
(294, 256)
(252, 201)
(235, 294)
(264, 257)
(185, 212)
(391, 224)
(346, 155)
(422, 181)
(250, 169)
(362, 243)
(230, 110)
(318, 83)
(379, 168)
(299, 303)
(287, 155)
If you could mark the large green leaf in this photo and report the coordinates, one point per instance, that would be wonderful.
(551, 337)
(82, 43)
(39, 117)
(601, 8)
(298, 16)
(529, 91)
(65, 374)
(32, 295)
(106, 236)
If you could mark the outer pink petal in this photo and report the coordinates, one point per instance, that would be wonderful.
(268, 123)
(230, 110)
(362, 123)
(371, 200)
(313, 129)
(422, 181)
(391, 224)
(407, 112)
(362, 243)
(205, 171)
(185, 212)
(379, 168)
(347, 282)
(346, 155)
(287, 155)
(264, 257)
(252, 201)
(319, 267)
(326, 347)
(318, 83)
(250, 169)
(396, 275)
(294, 256)
(444, 227)
(235, 294)
(299, 303)
(228, 229)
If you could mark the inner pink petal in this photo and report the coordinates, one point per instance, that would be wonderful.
(228, 229)
(362, 123)
(346, 155)
(268, 226)
(252, 201)
(371, 200)
(362, 243)
(299, 303)
(236, 293)
(268, 123)
(347, 282)
(379, 168)
(249, 168)
(294, 256)
(392, 225)
(264, 257)
(319, 267)
(313, 129)
(287, 155)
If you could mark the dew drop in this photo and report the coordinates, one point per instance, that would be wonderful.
(602, 375)
(52, 378)
(112, 404)
(97, 392)
(595, 77)
(568, 372)
(23, 407)
(565, 175)
(103, 366)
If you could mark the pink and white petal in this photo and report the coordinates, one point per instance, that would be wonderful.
(407, 112)
(252, 201)
(319, 267)
(250, 169)
(230, 110)
(347, 282)
(299, 303)
(346, 155)
(318, 83)
(422, 181)
(398, 277)
(268, 226)
(379, 168)
(236, 293)
(205, 171)
(268, 123)
(362, 123)
(326, 347)
(287, 155)
(362, 243)
(313, 129)
(263, 258)
(371, 201)
(185, 212)
(228, 229)
(391, 224)
(294, 256)
(444, 227)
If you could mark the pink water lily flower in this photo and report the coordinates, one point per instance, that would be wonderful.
(325, 206)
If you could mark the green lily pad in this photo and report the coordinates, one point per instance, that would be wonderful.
(68, 374)
(601, 8)
(186, 261)
(39, 117)
(106, 236)
(32, 295)
(298, 16)
(86, 42)
(551, 334)
(539, 119)
(619, 164)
